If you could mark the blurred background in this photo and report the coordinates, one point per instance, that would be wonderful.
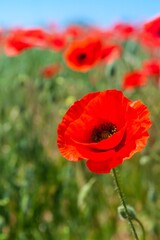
(43, 196)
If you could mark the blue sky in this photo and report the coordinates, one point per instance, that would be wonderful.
(99, 12)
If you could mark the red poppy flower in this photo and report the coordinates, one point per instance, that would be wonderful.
(51, 70)
(82, 55)
(151, 32)
(57, 41)
(124, 31)
(134, 79)
(21, 39)
(110, 52)
(151, 67)
(103, 128)
(75, 31)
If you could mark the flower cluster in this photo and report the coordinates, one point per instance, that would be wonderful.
(87, 47)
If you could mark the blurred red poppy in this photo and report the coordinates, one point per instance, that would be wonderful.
(151, 32)
(110, 52)
(103, 128)
(124, 31)
(51, 70)
(134, 79)
(21, 39)
(81, 55)
(75, 31)
(57, 41)
(151, 67)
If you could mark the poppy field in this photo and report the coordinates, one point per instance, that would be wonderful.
(80, 125)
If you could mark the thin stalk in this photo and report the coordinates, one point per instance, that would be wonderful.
(118, 188)
(141, 225)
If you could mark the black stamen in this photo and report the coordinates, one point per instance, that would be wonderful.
(103, 131)
(82, 57)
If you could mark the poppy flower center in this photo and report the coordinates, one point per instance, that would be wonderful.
(103, 131)
(81, 57)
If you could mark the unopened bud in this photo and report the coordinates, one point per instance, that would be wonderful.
(122, 212)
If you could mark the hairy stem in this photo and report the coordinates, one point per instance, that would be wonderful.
(118, 188)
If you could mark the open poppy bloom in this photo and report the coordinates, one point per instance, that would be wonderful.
(134, 79)
(103, 128)
(83, 54)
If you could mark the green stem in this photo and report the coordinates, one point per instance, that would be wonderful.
(118, 188)
(141, 225)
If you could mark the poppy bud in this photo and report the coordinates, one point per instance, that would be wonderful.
(122, 212)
